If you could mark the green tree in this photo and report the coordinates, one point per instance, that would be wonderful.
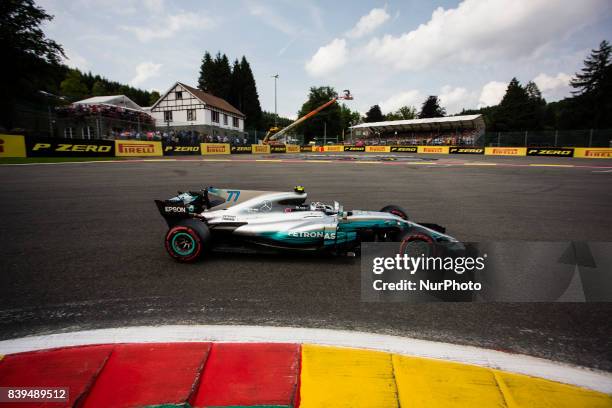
(30, 59)
(328, 120)
(215, 75)
(348, 118)
(73, 86)
(593, 76)
(153, 97)
(99, 89)
(518, 108)
(403, 113)
(593, 89)
(431, 108)
(248, 96)
(374, 115)
(206, 70)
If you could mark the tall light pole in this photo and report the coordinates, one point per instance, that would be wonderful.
(275, 112)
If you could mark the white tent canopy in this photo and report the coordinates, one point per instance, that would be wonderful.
(429, 124)
(112, 100)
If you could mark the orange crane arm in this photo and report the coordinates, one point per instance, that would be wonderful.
(347, 95)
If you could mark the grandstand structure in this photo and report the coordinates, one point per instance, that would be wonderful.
(103, 117)
(465, 130)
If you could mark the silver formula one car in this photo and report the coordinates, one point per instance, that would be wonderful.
(268, 221)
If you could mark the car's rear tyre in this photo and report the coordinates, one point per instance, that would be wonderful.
(395, 210)
(187, 240)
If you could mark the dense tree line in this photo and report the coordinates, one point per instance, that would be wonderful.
(235, 84)
(590, 106)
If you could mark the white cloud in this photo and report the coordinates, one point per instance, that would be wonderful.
(455, 99)
(553, 87)
(328, 58)
(369, 23)
(412, 97)
(478, 31)
(170, 25)
(145, 71)
(492, 94)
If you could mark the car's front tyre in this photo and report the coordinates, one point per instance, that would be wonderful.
(187, 240)
(395, 210)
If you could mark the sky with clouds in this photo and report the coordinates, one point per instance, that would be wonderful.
(390, 53)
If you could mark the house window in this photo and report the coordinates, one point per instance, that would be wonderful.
(167, 116)
(225, 119)
(236, 122)
(68, 132)
(179, 95)
(215, 117)
(88, 132)
(191, 115)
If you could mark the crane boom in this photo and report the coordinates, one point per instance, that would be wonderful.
(347, 95)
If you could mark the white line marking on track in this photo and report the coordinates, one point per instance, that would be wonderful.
(518, 363)
(602, 171)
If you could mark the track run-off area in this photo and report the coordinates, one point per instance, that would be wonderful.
(82, 248)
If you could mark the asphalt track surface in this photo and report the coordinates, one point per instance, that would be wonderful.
(81, 247)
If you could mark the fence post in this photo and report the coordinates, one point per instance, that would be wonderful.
(556, 136)
(590, 137)
(498, 139)
(526, 138)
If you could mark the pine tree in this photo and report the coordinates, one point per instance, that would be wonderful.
(99, 89)
(73, 86)
(250, 98)
(374, 115)
(431, 108)
(206, 69)
(593, 74)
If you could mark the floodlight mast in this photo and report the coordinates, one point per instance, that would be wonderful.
(346, 96)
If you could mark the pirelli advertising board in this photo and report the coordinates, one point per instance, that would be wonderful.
(593, 152)
(404, 149)
(354, 148)
(378, 149)
(306, 148)
(433, 149)
(260, 149)
(505, 151)
(293, 148)
(174, 150)
(241, 149)
(278, 149)
(52, 147)
(333, 148)
(551, 151)
(137, 148)
(12, 146)
(466, 150)
(215, 148)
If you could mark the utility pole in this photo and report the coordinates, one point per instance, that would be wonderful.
(275, 111)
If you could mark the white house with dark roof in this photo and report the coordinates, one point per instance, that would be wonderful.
(183, 107)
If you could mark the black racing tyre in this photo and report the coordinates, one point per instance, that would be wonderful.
(187, 240)
(415, 245)
(395, 210)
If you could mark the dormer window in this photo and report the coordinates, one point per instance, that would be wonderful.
(179, 95)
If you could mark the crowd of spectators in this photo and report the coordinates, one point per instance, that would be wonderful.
(180, 137)
(460, 138)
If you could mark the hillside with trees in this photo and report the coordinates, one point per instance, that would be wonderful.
(590, 106)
